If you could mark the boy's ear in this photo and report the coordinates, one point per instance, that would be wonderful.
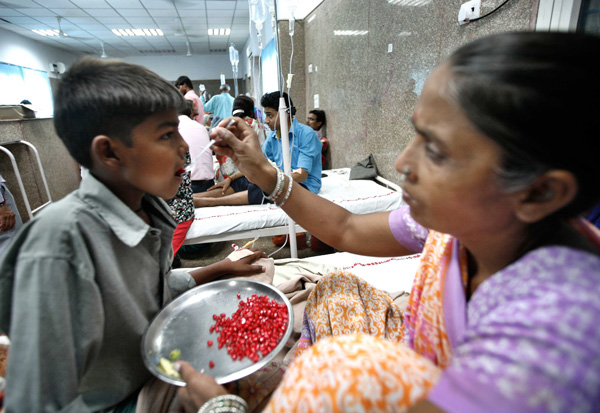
(105, 151)
(549, 193)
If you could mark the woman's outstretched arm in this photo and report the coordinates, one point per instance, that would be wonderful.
(367, 234)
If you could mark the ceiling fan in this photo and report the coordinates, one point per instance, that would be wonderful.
(60, 30)
(61, 33)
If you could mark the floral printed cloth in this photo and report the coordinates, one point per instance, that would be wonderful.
(183, 203)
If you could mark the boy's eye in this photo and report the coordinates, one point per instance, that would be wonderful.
(167, 136)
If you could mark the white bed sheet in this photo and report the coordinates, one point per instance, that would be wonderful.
(390, 274)
(228, 222)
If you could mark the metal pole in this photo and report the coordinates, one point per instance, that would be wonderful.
(235, 81)
(284, 129)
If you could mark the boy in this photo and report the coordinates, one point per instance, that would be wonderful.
(81, 281)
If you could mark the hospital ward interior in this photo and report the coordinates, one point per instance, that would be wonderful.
(299, 206)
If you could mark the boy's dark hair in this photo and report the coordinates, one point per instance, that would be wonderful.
(271, 100)
(246, 104)
(320, 114)
(107, 97)
(184, 80)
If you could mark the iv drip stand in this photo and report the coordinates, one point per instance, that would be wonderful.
(285, 142)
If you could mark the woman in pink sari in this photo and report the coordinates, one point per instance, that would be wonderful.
(502, 314)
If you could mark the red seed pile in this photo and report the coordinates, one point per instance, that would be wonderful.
(256, 326)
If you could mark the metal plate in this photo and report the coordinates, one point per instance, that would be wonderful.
(185, 322)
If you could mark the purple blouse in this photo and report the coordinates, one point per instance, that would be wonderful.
(527, 340)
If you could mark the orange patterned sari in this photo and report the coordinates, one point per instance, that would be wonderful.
(359, 351)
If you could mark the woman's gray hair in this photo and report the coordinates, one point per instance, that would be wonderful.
(535, 94)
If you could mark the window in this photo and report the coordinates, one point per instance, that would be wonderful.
(19, 83)
(589, 19)
(269, 68)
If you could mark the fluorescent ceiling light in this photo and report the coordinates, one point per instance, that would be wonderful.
(350, 32)
(138, 32)
(47, 32)
(219, 32)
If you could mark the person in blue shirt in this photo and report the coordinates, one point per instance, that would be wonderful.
(221, 105)
(305, 150)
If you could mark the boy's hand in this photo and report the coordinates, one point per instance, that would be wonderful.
(199, 387)
(244, 266)
(7, 218)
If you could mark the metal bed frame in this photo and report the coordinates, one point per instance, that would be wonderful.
(13, 161)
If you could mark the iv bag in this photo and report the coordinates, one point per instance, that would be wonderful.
(234, 56)
(258, 12)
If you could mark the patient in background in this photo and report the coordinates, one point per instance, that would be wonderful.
(306, 155)
(229, 179)
(196, 136)
(317, 120)
(10, 220)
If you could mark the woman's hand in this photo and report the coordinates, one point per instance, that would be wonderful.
(244, 266)
(240, 143)
(199, 387)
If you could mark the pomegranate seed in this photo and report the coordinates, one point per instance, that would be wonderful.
(255, 328)
(239, 296)
(211, 364)
(210, 343)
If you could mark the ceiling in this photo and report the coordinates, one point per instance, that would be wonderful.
(88, 24)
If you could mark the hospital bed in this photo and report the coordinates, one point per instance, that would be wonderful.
(225, 223)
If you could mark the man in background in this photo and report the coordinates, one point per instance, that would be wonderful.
(221, 105)
(196, 136)
(185, 86)
(10, 220)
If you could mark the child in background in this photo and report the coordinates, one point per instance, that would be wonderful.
(229, 179)
(317, 120)
(84, 278)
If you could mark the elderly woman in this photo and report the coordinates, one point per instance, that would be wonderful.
(502, 315)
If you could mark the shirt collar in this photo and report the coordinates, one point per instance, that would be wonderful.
(291, 131)
(125, 223)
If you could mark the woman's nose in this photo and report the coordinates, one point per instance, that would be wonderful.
(403, 160)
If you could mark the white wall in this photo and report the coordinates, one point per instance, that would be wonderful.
(195, 67)
(22, 51)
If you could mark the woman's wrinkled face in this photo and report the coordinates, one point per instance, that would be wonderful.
(452, 186)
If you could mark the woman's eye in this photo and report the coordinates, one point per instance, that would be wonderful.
(433, 154)
(167, 136)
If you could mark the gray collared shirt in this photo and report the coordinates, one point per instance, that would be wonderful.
(78, 286)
